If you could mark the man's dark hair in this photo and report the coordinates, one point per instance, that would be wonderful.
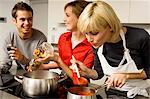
(21, 6)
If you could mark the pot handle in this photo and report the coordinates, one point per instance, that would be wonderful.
(62, 78)
(97, 87)
(18, 78)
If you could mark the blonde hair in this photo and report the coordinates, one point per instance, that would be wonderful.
(98, 15)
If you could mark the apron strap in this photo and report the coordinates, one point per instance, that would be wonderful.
(126, 50)
(123, 38)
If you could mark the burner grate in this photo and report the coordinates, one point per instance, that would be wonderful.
(23, 95)
(18, 91)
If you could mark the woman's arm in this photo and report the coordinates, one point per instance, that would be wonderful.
(141, 75)
(87, 72)
(50, 65)
(60, 63)
(119, 79)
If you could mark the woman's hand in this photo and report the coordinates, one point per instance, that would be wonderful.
(44, 59)
(29, 68)
(116, 80)
(48, 57)
(83, 70)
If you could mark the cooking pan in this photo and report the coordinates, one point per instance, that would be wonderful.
(40, 82)
(82, 92)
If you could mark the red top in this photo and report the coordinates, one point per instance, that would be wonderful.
(82, 52)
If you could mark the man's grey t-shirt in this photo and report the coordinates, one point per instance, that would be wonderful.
(25, 46)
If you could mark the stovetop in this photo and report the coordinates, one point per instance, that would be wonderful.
(61, 92)
(18, 91)
(50, 96)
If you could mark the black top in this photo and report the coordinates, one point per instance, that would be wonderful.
(137, 41)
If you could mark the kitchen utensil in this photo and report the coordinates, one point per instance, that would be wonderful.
(9, 47)
(11, 44)
(75, 67)
(40, 82)
(82, 81)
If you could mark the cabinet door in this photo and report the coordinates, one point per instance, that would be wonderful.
(55, 19)
(121, 7)
(139, 11)
(56, 10)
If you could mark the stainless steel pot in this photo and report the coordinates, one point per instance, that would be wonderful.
(40, 82)
(82, 92)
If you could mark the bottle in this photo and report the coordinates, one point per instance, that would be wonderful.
(44, 49)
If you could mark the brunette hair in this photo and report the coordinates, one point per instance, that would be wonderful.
(77, 6)
(21, 6)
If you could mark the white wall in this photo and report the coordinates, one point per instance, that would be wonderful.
(40, 17)
(56, 19)
(5, 11)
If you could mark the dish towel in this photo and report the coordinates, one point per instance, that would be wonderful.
(135, 87)
(137, 91)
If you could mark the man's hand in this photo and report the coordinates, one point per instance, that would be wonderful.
(15, 54)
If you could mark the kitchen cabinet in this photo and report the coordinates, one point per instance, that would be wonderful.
(139, 11)
(131, 11)
(121, 8)
(56, 10)
(56, 19)
(40, 17)
(128, 11)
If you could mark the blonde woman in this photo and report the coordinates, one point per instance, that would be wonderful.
(121, 52)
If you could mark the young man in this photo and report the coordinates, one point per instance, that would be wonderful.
(23, 40)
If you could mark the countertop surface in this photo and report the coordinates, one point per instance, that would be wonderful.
(5, 95)
(101, 93)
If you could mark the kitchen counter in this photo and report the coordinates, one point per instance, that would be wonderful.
(101, 94)
(62, 92)
(5, 95)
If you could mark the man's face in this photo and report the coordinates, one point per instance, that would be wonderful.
(23, 23)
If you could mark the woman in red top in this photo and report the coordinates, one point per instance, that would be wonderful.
(73, 42)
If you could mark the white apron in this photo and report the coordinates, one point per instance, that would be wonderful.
(133, 86)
